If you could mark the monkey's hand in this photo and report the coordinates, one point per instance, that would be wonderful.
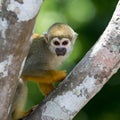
(36, 36)
(46, 79)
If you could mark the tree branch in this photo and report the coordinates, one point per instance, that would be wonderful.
(86, 79)
(15, 17)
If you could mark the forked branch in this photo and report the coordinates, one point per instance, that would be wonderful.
(86, 79)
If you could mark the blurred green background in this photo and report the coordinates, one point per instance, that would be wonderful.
(89, 19)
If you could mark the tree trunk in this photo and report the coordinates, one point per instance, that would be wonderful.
(17, 18)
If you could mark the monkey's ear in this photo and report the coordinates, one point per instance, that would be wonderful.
(46, 37)
(74, 37)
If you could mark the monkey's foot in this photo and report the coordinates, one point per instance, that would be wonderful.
(19, 115)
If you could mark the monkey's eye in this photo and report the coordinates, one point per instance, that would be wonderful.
(65, 42)
(56, 43)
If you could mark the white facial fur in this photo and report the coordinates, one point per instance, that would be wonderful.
(60, 43)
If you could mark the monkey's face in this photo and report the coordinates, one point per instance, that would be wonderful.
(60, 46)
(60, 39)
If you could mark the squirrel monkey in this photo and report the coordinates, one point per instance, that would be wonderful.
(46, 54)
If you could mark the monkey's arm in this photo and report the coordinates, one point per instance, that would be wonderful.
(46, 76)
(45, 79)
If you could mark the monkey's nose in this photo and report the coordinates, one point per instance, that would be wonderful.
(60, 51)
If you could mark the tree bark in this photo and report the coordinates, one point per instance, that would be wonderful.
(17, 18)
(86, 79)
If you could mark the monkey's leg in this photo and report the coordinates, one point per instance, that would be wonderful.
(46, 88)
(48, 77)
(19, 101)
(19, 110)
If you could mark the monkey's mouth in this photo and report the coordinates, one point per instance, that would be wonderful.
(60, 51)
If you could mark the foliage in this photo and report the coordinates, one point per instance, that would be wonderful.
(89, 19)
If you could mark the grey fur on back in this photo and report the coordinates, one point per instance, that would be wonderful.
(40, 58)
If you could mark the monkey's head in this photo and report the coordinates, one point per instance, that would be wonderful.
(60, 39)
